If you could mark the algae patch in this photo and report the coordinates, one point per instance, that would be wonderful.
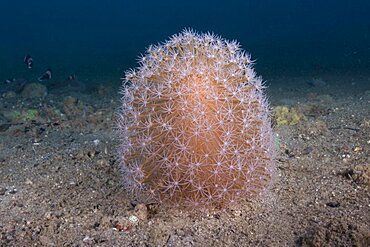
(24, 115)
(284, 115)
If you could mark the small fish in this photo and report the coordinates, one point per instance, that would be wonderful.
(12, 84)
(46, 76)
(28, 60)
(8, 81)
(71, 77)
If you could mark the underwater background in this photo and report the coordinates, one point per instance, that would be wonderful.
(61, 175)
(99, 40)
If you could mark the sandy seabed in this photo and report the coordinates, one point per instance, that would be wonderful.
(60, 182)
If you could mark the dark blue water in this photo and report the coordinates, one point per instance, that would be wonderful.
(99, 40)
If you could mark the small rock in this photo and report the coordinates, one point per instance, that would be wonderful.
(12, 191)
(133, 219)
(9, 95)
(333, 204)
(2, 191)
(88, 240)
(141, 211)
(34, 90)
(361, 174)
(80, 155)
(70, 101)
(307, 150)
(70, 106)
(367, 95)
(16, 86)
(103, 90)
(317, 82)
(48, 215)
(28, 181)
(106, 222)
(91, 154)
(46, 241)
(4, 127)
(357, 149)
